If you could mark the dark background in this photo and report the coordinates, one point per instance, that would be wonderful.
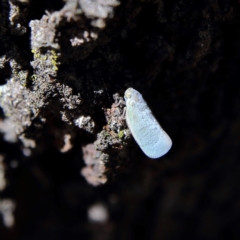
(184, 57)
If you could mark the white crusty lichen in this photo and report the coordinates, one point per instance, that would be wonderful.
(86, 123)
(43, 33)
(13, 102)
(98, 9)
(94, 171)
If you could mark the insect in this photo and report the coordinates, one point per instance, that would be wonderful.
(147, 132)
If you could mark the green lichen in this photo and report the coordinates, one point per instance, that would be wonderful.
(33, 77)
(51, 55)
(54, 59)
(23, 77)
(121, 134)
(36, 54)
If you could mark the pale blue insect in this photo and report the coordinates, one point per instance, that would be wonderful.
(147, 132)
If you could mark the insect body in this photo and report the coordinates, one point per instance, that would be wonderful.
(147, 132)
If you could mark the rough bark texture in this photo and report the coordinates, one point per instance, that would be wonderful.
(69, 168)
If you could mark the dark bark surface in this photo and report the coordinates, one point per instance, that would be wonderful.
(69, 168)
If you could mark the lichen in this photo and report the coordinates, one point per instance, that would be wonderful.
(110, 151)
(37, 91)
(121, 134)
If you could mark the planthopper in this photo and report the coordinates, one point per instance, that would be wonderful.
(146, 130)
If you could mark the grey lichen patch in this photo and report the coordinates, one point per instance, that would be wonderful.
(110, 151)
(99, 10)
(13, 101)
(52, 96)
(45, 64)
(86, 123)
(83, 37)
(68, 99)
(23, 77)
(3, 61)
(17, 18)
(115, 134)
(94, 172)
(43, 33)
